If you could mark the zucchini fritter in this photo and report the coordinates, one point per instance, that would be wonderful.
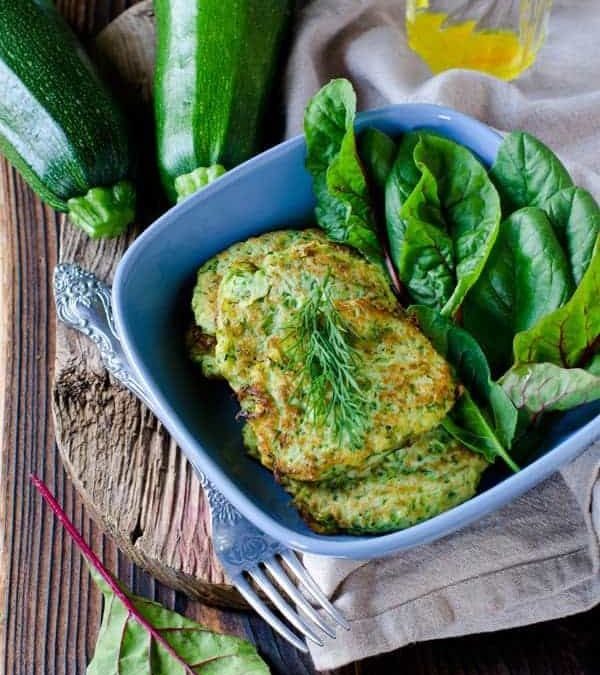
(246, 305)
(201, 338)
(408, 486)
(408, 387)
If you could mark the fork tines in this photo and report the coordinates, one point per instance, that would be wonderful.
(274, 575)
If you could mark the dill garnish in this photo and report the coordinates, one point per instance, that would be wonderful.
(327, 384)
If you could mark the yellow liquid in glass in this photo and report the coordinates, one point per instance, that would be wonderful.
(497, 52)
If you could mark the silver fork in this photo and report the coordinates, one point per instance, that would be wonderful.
(251, 559)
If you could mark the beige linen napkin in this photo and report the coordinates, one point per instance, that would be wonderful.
(538, 558)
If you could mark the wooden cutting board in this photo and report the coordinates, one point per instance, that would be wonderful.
(133, 479)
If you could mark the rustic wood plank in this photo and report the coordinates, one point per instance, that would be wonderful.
(50, 611)
(49, 616)
(129, 473)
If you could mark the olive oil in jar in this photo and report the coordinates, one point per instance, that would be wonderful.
(498, 37)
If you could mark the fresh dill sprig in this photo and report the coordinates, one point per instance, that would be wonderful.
(327, 385)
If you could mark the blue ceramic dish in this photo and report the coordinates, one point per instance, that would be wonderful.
(151, 293)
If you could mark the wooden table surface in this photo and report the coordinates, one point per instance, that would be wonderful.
(50, 611)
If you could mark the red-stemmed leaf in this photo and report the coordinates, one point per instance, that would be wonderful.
(141, 637)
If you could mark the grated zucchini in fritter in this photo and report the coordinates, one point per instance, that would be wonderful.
(407, 387)
(332, 378)
(408, 486)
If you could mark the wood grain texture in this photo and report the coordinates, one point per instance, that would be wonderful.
(50, 611)
(132, 478)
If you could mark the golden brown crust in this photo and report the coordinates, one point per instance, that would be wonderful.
(411, 484)
(409, 387)
(246, 302)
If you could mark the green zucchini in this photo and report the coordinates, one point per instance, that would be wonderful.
(59, 126)
(215, 63)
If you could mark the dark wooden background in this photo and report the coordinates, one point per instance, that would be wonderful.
(50, 610)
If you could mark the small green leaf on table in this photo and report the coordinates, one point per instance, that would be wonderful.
(141, 637)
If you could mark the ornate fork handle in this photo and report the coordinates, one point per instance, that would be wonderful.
(83, 302)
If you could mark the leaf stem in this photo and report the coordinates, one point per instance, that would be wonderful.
(95, 562)
(508, 459)
(397, 285)
(588, 354)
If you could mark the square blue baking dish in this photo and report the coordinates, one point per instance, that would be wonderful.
(151, 294)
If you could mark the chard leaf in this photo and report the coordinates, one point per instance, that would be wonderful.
(343, 208)
(453, 195)
(526, 172)
(184, 647)
(468, 424)
(428, 261)
(526, 277)
(569, 336)
(536, 388)
(461, 350)
(141, 637)
(401, 182)
(377, 152)
(327, 118)
(575, 216)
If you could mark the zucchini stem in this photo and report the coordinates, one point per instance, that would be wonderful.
(104, 211)
(189, 183)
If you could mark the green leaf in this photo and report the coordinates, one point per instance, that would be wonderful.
(575, 216)
(347, 188)
(454, 197)
(461, 350)
(344, 207)
(125, 646)
(141, 637)
(427, 260)
(400, 183)
(327, 118)
(526, 172)
(536, 388)
(526, 277)
(467, 423)
(569, 336)
(377, 152)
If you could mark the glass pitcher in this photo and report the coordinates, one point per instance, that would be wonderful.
(499, 37)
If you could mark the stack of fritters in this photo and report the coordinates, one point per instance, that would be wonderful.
(405, 468)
